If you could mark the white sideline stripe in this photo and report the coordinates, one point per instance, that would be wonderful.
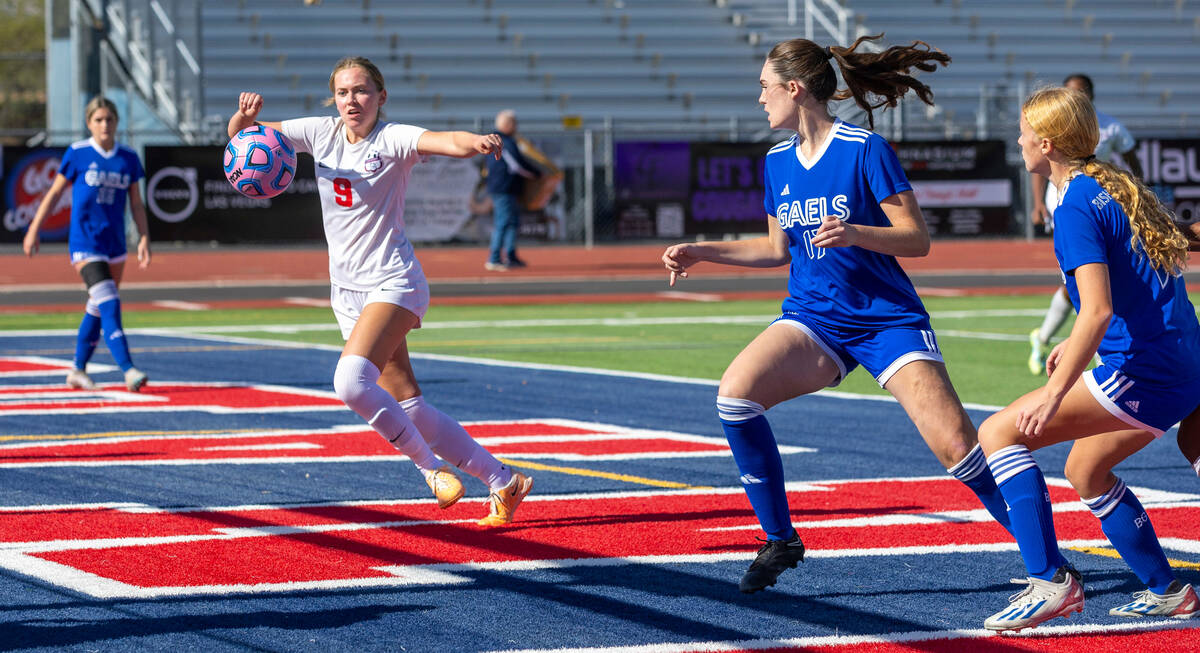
(294, 460)
(307, 301)
(263, 447)
(823, 641)
(926, 291)
(60, 365)
(950, 516)
(483, 324)
(688, 296)
(180, 305)
(597, 432)
(271, 433)
(821, 486)
(21, 561)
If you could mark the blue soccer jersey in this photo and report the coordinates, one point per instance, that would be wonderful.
(1153, 334)
(848, 287)
(100, 183)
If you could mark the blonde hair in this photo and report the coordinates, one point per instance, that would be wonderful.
(1067, 119)
(97, 103)
(355, 62)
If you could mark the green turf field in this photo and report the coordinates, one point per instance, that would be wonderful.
(984, 339)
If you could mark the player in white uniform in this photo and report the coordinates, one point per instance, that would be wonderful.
(840, 210)
(379, 292)
(1122, 260)
(1116, 146)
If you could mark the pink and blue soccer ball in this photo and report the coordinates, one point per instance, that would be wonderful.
(260, 162)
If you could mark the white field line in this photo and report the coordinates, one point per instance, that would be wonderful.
(517, 324)
(490, 362)
(857, 641)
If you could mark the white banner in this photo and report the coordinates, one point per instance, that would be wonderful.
(974, 192)
(438, 201)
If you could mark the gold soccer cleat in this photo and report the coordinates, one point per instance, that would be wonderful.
(503, 503)
(445, 485)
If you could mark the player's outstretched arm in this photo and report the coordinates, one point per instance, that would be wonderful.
(49, 200)
(459, 144)
(766, 252)
(249, 104)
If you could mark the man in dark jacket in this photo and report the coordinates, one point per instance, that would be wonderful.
(505, 181)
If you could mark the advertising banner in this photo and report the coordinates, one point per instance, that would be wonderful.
(669, 189)
(652, 183)
(27, 174)
(1172, 169)
(727, 188)
(964, 188)
(188, 199)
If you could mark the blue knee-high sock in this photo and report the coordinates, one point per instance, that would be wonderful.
(757, 457)
(973, 471)
(88, 336)
(1128, 527)
(1031, 520)
(109, 304)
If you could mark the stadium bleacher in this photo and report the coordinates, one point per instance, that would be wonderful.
(1138, 54)
(455, 62)
(458, 61)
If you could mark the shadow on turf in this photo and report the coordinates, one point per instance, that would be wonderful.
(585, 588)
(74, 632)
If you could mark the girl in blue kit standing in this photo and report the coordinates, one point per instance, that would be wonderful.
(1122, 260)
(840, 210)
(101, 173)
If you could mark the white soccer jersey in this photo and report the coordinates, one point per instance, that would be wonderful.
(362, 187)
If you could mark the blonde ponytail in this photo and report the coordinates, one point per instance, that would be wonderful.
(1066, 118)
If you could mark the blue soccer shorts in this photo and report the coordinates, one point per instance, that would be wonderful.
(880, 351)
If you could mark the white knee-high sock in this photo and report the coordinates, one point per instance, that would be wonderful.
(356, 381)
(1060, 308)
(449, 440)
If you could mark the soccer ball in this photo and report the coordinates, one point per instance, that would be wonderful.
(260, 162)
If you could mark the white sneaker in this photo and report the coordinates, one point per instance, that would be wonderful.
(1041, 601)
(1180, 604)
(135, 379)
(1037, 357)
(79, 380)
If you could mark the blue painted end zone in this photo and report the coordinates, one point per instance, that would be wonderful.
(617, 604)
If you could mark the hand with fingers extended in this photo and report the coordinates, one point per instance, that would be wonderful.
(249, 104)
(678, 258)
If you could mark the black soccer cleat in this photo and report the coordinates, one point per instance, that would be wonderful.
(773, 559)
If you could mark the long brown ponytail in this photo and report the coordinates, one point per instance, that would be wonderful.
(882, 74)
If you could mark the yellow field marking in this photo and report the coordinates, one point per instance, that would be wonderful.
(116, 434)
(1112, 553)
(522, 464)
